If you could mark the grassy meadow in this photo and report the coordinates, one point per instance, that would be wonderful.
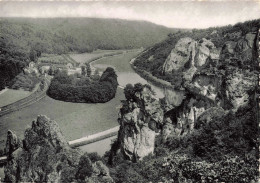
(75, 119)
(87, 57)
(11, 96)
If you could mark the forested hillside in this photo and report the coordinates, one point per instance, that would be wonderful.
(153, 58)
(24, 39)
(12, 60)
(62, 35)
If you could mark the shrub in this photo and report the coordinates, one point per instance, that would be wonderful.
(24, 81)
(85, 168)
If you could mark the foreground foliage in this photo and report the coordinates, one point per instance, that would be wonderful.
(225, 150)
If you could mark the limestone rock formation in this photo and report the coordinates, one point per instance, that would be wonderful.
(139, 119)
(190, 54)
(238, 83)
(12, 143)
(238, 86)
(241, 50)
(181, 120)
(44, 156)
(211, 91)
(185, 50)
(204, 85)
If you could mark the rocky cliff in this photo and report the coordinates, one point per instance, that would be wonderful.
(216, 81)
(140, 118)
(190, 54)
(209, 129)
(45, 156)
(222, 80)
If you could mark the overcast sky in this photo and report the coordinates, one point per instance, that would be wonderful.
(195, 14)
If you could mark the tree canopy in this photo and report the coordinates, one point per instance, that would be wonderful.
(85, 89)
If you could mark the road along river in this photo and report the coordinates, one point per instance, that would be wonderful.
(78, 120)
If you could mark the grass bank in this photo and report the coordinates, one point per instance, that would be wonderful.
(95, 55)
(76, 120)
(154, 80)
(10, 96)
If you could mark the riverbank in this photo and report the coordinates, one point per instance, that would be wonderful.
(96, 55)
(154, 80)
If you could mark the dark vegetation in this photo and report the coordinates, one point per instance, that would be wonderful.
(84, 89)
(12, 61)
(160, 51)
(62, 35)
(24, 81)
(224, 150)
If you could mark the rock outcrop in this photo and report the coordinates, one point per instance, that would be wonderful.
(190, 54)
(181, 120)
(12, 143)
(140, 117)
(238, 87)
(184, 51)
(214, 80)
(239, 82)
(241, 50)
(213, 85)
(45, 156)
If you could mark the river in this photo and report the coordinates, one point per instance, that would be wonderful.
(127, 75)
(79, 120)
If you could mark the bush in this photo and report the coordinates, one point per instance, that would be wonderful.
(94, 157)
(24, 81)
(85, 168)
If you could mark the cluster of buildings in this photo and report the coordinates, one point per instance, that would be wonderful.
(45, 68)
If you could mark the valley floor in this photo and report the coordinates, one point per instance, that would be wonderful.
(76, 120)
(10, 96)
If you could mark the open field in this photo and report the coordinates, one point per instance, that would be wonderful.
(75, 119)
(11, 96)
(55, 59)
(88, 57)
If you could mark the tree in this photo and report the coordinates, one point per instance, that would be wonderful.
(33, 55)
(85, 168)
(51, 70)
(88, 68)
(129, 91)
(83, 70)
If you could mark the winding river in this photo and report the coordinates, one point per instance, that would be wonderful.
(79, 120)
(126, 75)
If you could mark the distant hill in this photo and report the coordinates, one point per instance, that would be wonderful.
(24, 39)
(61, 35)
